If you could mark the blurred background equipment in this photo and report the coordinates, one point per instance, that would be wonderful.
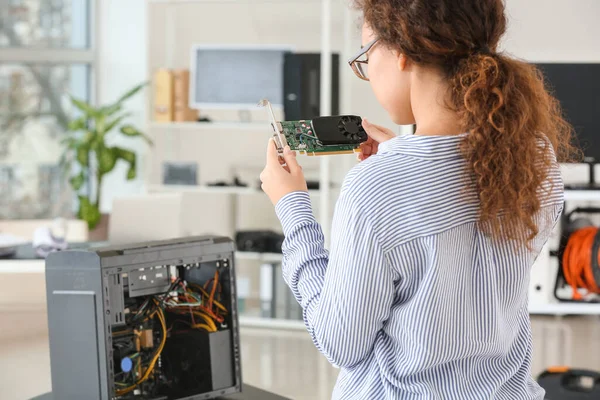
(236, 77)
(579, 257)
(259, 241)
(302, 85)
(180, 173)
(563, 383)
(577, 87)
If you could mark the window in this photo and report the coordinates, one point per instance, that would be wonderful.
(45, 55)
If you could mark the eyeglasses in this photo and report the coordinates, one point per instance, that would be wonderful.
(360, 66)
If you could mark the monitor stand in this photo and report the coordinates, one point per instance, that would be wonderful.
(591, 185)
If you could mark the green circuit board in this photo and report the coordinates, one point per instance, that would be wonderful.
(300, 137)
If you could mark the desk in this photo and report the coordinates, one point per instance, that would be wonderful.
(248, 393)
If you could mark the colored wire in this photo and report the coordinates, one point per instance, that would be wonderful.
(206, 318)
(146, 375)
(204, 292)
(214, 288)
(578, 262)
(202, 326)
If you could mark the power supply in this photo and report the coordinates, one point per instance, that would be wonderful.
(152, 321)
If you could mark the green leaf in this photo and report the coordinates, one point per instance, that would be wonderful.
(148, 140)
(88, 212)
(77, 181)
(126, 155)
(100, 126)
(107, 158)
(131, 173)
(83, 156)
(131, 92)
(111, 109)
(88, 139)
(96, 143)
(111, 125)
(131, 131)
(78, 124)
(83, 106)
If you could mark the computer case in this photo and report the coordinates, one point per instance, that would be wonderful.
(155, 320)
(302, 85)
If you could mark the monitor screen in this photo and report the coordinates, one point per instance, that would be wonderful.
(577, 87)
(236, 77)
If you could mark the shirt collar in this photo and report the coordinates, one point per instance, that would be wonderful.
(430, 147)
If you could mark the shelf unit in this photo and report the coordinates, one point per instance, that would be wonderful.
(325, 175)
(205, 126)
(231, 190)
(274, 258)
(582, 195)
(561, 309)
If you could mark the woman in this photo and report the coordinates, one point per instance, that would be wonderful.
(424, 292)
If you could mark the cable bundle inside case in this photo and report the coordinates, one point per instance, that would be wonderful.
(183, 308)
(580, 262)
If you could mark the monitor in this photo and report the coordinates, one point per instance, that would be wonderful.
(577, 87)
(236, 77)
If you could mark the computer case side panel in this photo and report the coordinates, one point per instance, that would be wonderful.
(75, 326)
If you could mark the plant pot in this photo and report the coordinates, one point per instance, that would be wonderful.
(100, 232)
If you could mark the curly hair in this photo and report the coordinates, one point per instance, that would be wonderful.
(502, 102)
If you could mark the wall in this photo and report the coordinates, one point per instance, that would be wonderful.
(539, 30)
(122, 65)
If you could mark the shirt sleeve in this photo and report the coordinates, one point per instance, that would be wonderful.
(346, 296)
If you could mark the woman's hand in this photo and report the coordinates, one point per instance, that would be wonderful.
(377, 134)
(281, 176)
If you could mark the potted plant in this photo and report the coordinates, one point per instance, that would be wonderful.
(88, 158)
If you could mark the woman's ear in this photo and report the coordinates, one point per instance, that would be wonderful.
(402, 62)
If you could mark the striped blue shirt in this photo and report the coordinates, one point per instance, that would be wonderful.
(413, 301)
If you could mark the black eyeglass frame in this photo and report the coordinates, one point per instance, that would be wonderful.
(355, 59)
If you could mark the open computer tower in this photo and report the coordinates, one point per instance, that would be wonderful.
(152, 321)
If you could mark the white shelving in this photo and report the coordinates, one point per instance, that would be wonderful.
(210, 189)
(582, 195)
(262, 257)
(564, 309)
(211, 126)
(271, 323)
(202, 189)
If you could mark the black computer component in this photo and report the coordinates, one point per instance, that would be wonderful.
(336, 130)
(156, 320)
(570, 384)
(577, 87)
(302, 85)
(259, 241)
